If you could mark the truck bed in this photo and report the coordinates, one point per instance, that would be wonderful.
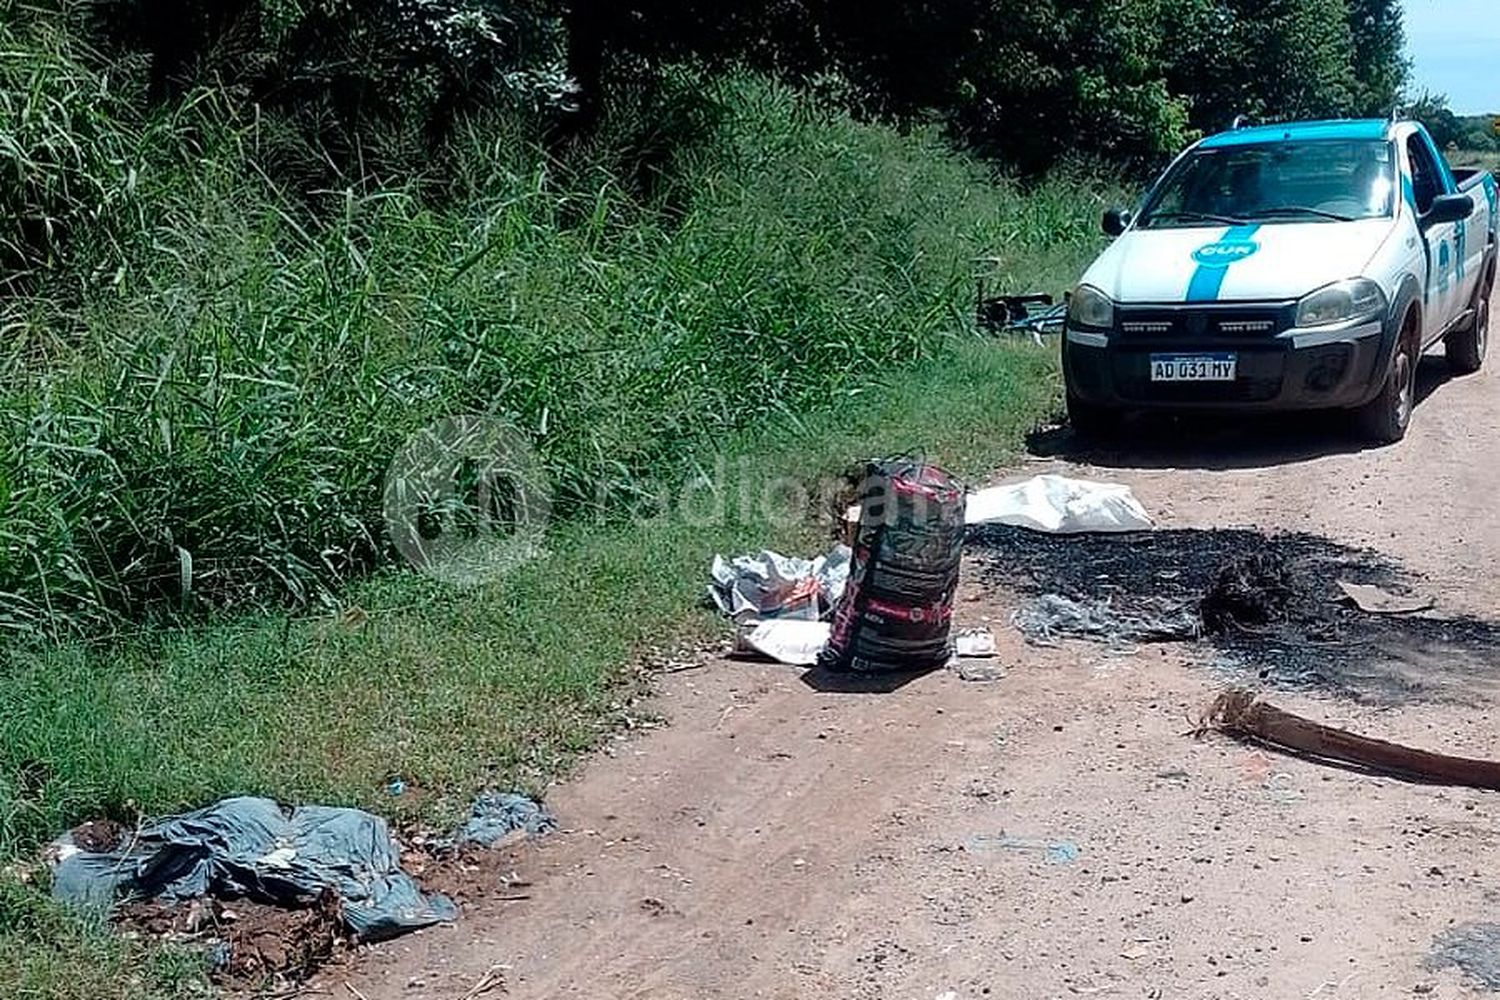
(1468, 177)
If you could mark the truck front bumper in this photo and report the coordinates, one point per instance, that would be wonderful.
(1295, 369)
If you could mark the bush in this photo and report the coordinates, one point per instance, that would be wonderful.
(71, 144)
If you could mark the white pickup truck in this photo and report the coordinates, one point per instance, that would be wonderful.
(1295, 266)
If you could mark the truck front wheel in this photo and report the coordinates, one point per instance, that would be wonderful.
(1092, 422)
(1384, 419)
(1465, 348)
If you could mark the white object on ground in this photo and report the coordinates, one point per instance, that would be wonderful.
(1377, 601)
(771, 585)
(1059, 505)
(785, 640)
(974, 642)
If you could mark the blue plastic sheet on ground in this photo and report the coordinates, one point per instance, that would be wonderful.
(1057, 852)
(498, 814)
(251, 848)
(1473, 948)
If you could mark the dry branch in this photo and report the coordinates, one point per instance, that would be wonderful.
(1239, 714)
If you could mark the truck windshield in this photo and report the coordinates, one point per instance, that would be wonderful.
(1322, 181)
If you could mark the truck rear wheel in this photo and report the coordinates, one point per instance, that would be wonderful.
(1465, 348)
(1384, 419)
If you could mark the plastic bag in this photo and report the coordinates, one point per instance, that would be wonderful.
(250, 847)
(784, 640)
(771, 585)
(1060, 506)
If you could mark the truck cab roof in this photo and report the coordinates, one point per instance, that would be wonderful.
(1341, 128)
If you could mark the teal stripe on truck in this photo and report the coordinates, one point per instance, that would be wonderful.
(1208, 278)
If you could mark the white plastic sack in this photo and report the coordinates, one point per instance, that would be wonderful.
(1059, 506)
(771, 585)
(974, 643)
(785, 640)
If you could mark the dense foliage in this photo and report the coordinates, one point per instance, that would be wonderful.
(1028, 80)
(1478, 133)
(212, 421)
(362, 91)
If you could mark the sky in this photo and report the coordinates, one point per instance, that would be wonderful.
(1454, 47)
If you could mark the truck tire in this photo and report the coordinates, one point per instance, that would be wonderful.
(1092, 422)
(1384, 419)
(1465, 348)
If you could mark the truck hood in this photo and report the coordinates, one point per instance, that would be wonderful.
(1276, 261)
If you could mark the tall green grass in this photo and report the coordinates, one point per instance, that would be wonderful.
(209, 426)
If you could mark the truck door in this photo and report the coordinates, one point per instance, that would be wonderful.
(1442, 293)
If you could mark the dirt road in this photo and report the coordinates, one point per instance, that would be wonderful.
(781, 841)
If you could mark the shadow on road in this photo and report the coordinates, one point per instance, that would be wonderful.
(1217, 441)
(830, 681)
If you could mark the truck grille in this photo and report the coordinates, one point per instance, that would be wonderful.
(1155, 322)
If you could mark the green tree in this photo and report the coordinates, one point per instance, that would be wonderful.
(1026, 81)
(348, 73)
(1284, 59)
(1378, 44)
(1295, 59)
(1204, 61)
(1481, 140)
(1433, 112)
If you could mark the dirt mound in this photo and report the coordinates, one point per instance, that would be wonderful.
(99, 835)
(249, 945)
(470, 873)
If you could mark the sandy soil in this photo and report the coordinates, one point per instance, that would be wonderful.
(776, 840)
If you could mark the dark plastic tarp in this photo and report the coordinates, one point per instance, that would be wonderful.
(498, 814)
(249, 847)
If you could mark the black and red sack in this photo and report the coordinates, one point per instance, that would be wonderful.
(897, 608)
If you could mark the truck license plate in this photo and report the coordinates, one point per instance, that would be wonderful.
(1192, 367)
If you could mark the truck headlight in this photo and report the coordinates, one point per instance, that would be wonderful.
(1341, 302)
(1089, 307)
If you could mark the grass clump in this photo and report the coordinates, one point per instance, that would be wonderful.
(48, 953)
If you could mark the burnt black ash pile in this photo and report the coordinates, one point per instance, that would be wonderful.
(1267, 605)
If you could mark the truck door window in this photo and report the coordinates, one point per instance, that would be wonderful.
(1424, 174)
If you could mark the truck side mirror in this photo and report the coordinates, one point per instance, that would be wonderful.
(1449, 208)
(1116, 219)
